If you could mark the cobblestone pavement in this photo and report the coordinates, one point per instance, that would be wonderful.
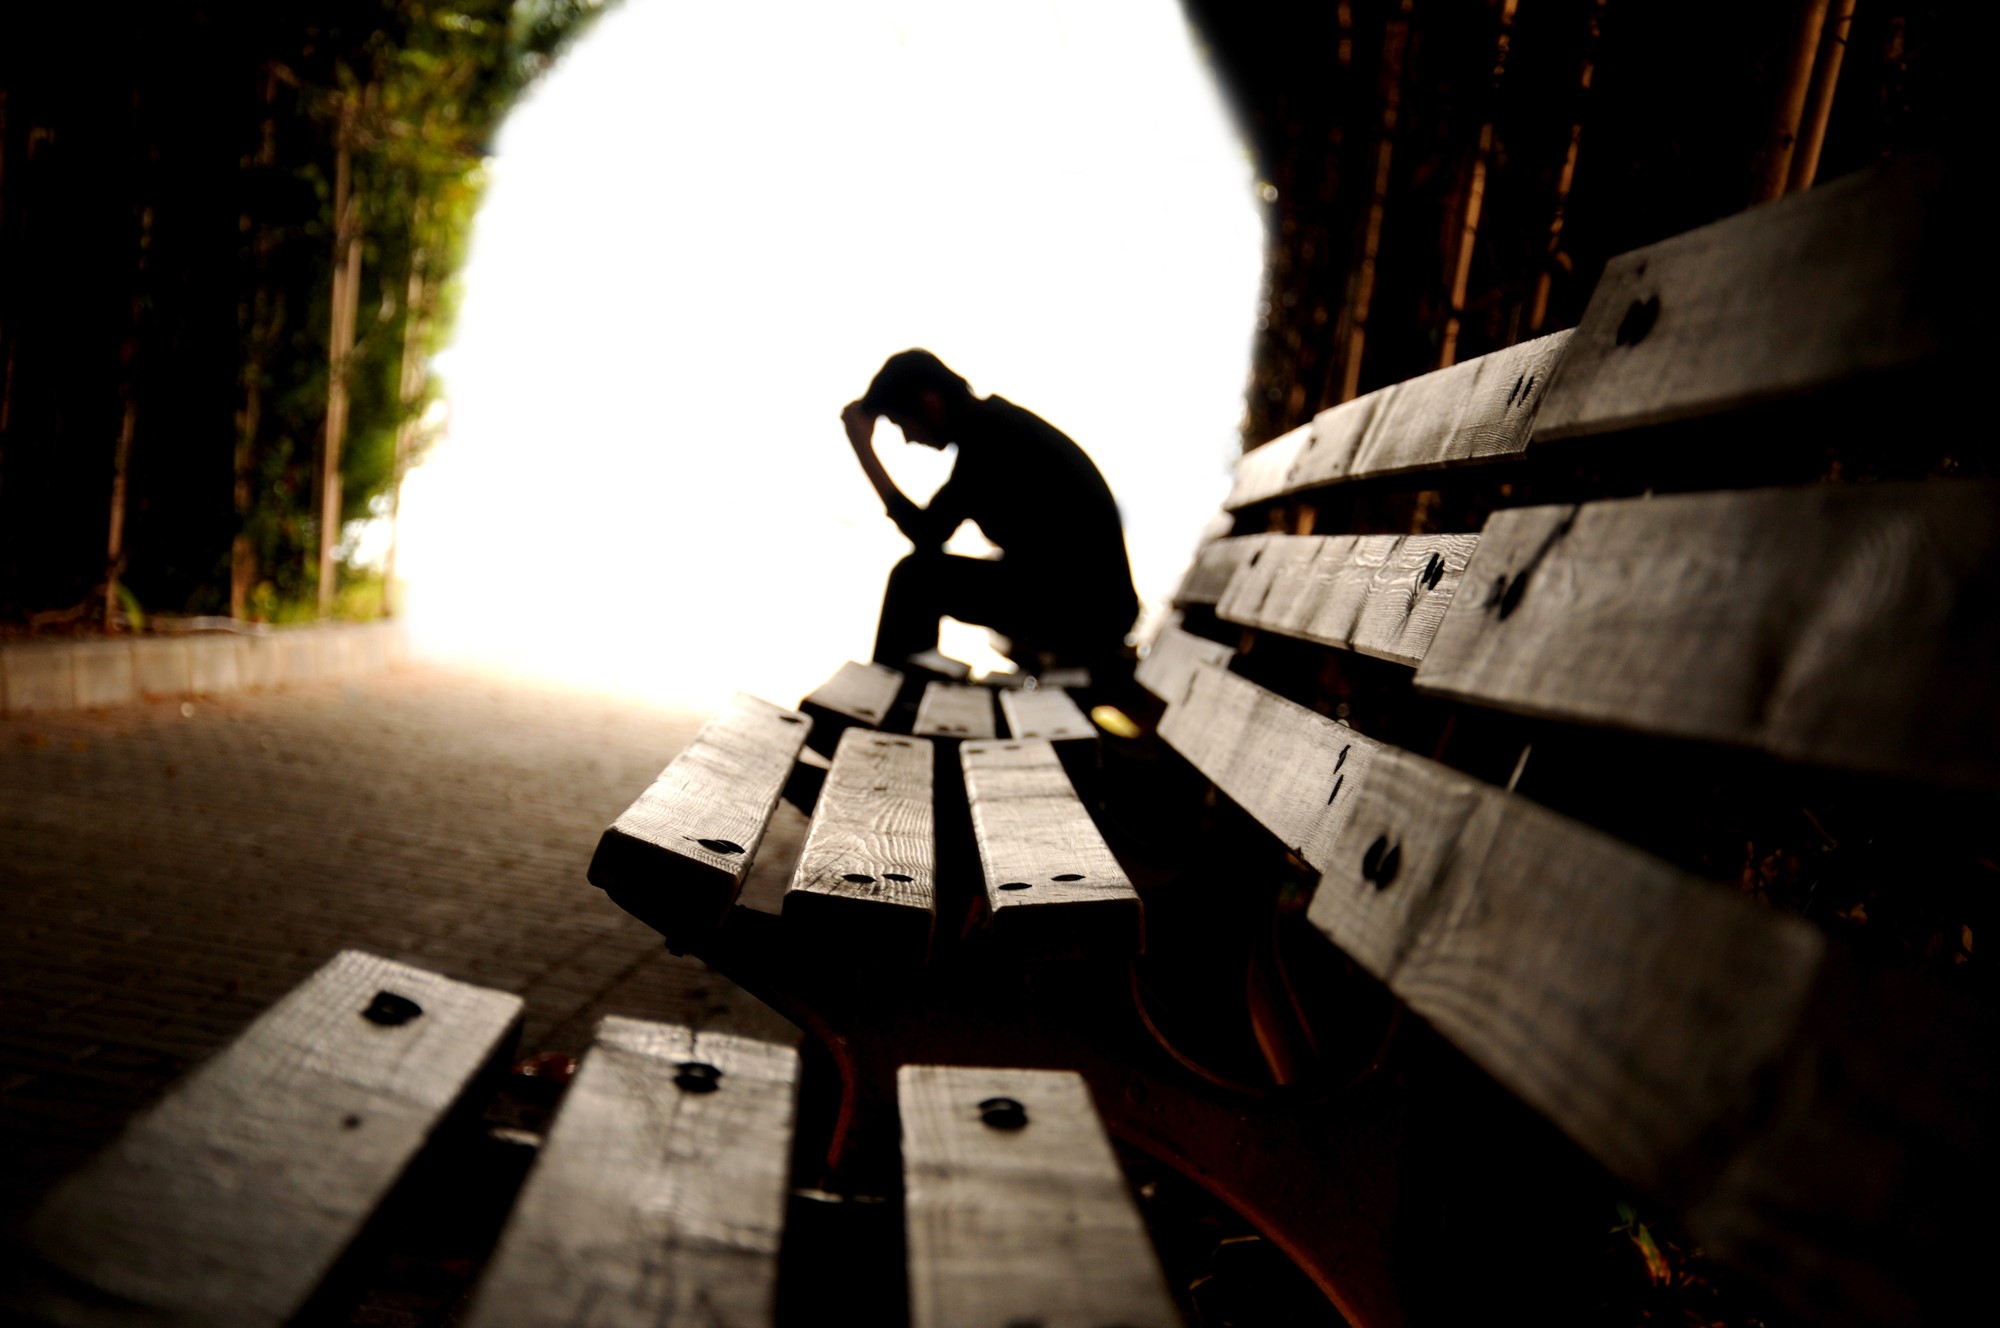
(167, 872)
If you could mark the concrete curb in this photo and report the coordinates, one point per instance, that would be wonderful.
(82, 675)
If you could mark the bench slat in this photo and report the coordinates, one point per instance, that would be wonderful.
(652, 1202)
(1019, 1223)
(1481, 410)
(1046, 712)
(955, 711)
(1629, 1002)
(1836, 282)
(1850, 625)
(1070, 895)
(869, 866)
(857, 694)
(677, 857)
(230, 1200)
(1380, 595)
(1214, 564)
(1292, 769)
(1170, 662)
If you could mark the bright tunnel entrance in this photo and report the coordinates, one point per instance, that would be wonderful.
(704, 233)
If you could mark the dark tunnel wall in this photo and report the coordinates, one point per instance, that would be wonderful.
(1530, 140)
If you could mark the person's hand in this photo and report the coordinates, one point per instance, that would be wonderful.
(860, 423)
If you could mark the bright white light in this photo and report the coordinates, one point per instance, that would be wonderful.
(704, 234)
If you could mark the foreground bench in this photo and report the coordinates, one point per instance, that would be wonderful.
(1497, 666)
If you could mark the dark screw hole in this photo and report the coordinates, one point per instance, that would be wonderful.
(791, 719)
(350, 1122)
(1511, 593)
(1011, 747)
(865, 713)
(858, 878)
(896, 876)
(1381, 862)
(1003, 1113)
(697, 1077)
(892, 742)
(1638, 321)
(1067, 876)
(1015, 885)
(1031, 733)
(1433, 572)
(1255, 556)
(724, 846)
(388, 1009)
(1338, 781)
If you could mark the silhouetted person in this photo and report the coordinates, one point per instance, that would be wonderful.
(1062, 590)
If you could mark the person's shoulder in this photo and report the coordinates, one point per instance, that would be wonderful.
(1003, 416)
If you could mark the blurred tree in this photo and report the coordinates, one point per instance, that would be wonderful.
(197, 427)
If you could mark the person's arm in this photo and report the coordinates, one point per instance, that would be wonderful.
(860, 423)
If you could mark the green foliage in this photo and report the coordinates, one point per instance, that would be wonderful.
(423, 87)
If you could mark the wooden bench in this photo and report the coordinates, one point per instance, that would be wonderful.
(1492, 673)
(1564, 791)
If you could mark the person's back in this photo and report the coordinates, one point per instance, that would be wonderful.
(1062, 587)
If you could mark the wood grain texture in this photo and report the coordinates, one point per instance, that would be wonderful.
(1380, 595)
(677, 857)
(1480, 410)
(652, 1204)
(1830, 284)
(1214, 564)
(869, 866)
(1031, 1224)
(1637, 1007)
(955, 711)
(1045, 712)
(1051, 883)
(1297, 772)
(1849, 625)
(230, 1200)
(1173, 657)
(862, 695)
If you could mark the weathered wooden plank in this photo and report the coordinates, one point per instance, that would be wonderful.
(1836, 282)
(1264, 472)
(659, 1197)
(230, 1200)
(1170, 662)
(1051, 883)
(1850, 625)
(856, 695)
(952, 710)
(1015, 1207)
(677, 857)
(1214, 564)
(1380, 595)
(1044, 712)
(1292, 769)
(1632, 1004)
(868, 873)
(936, 661)
(1481, 410)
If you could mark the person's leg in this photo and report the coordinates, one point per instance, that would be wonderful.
(926, 586)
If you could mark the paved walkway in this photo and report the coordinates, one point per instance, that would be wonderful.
(166, 873)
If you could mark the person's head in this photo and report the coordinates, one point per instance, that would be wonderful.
(920, 396)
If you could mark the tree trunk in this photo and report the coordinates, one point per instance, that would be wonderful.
(340, 347)
(121, 464)
(1553, 258)
(411, 387)
(1395, 40)
(1771, 164)
(258, 334)
(1819, 108)
(1475, 193)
